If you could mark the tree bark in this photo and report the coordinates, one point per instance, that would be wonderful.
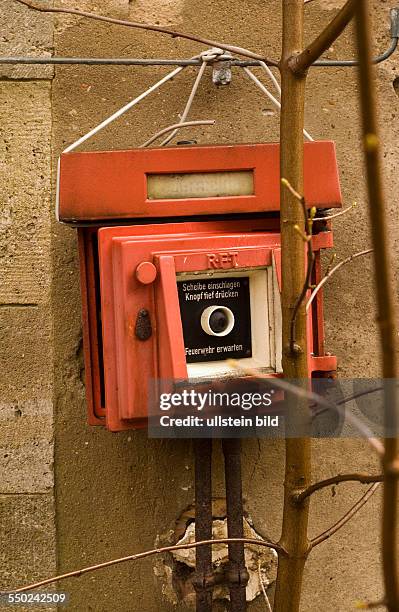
(302, 62)
(297, 458)
(385, 304)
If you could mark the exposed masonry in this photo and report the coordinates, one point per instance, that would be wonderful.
(27, 517)
(176, 570)
(25, 32)
(26, 447)
(261, 563)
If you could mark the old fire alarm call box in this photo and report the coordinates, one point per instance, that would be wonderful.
(180, 257)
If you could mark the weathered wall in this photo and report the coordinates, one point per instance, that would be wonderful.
(27, 531)
(116, 493)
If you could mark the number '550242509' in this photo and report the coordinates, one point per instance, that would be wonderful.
(33, 597)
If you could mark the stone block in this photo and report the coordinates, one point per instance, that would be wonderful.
(27, 535)
(25, 32)
(25, 133)
(26, 447)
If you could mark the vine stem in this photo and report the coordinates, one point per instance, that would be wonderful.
(148, 553)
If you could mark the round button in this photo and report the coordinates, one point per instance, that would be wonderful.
(217, 320)
(146, 272)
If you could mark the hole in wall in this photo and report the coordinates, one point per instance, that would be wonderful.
(176, 571)
(395, 84)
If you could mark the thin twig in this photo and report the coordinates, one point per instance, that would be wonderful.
(151, 28)
(176, 126)
(305, 394)
(268, 606)
(310, 259)
(331, 272)
(298, 498)
(330, 263)
(337, 214)
(294, 192)
(156, 551)
(300, 63)
(350, 398)
(347, 517)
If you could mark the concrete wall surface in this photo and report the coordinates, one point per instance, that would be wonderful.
(73, 495)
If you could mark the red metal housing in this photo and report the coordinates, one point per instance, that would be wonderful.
(126, 269)
(109, 185)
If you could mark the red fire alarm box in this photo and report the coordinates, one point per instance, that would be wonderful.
(180, 256)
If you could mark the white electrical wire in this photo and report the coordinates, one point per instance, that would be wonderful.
(106, 122)
(206, 56)
(176, 127)
(188, 105)
(272, 77)
(262, 87)
(271, 97)
(122, 110)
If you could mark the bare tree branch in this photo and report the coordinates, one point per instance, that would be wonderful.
(151, 28)
(331, 272)
(148, 553)
(350, 398)
(267, 602)
(318, 399)
(300, 63)
(346, 518)
(385, 302)
(337, 214)
(307, 237)
(298, 498)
